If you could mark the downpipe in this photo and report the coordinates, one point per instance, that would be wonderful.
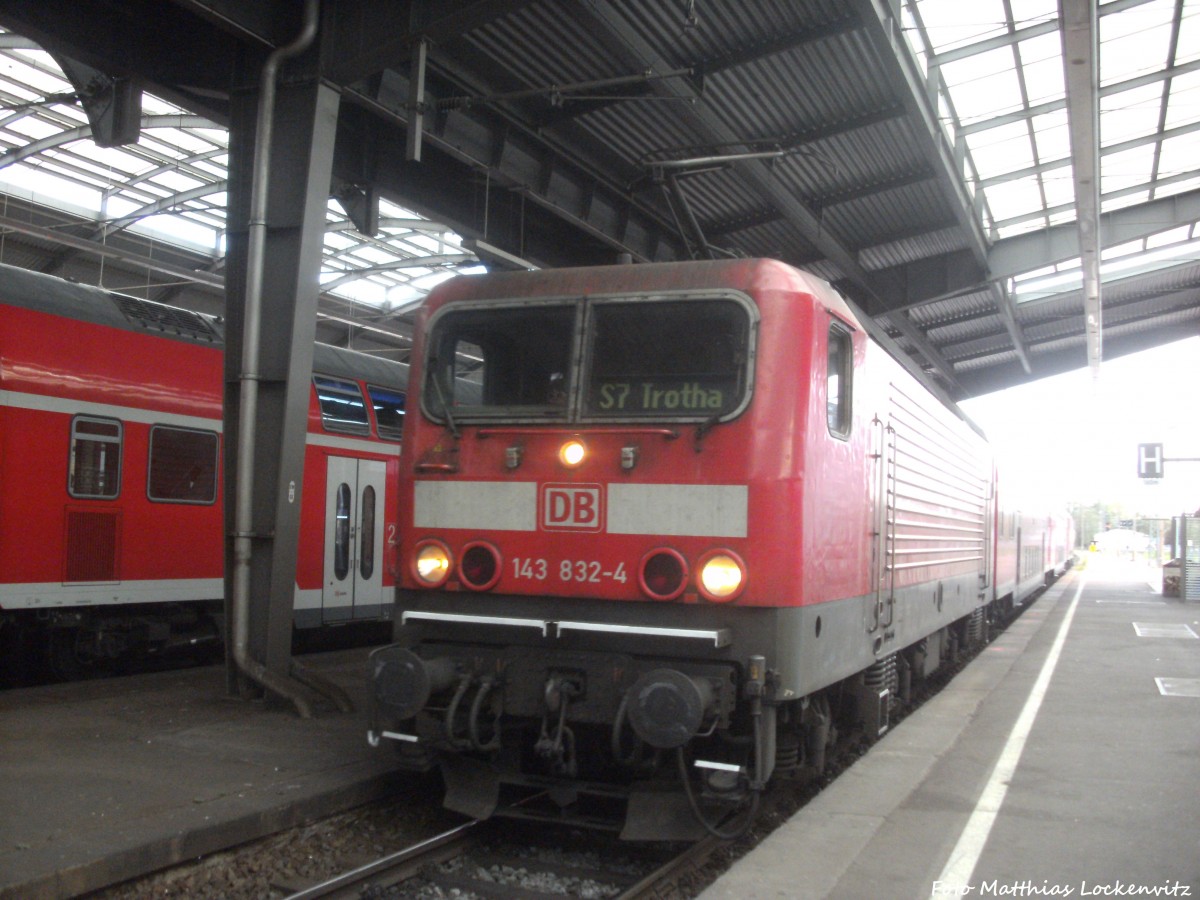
(248, 379)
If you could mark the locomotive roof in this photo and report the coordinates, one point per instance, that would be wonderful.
(748, 275)
(56, 296)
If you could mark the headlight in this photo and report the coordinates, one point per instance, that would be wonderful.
(572, 453)
(722, 575)
(431, 563)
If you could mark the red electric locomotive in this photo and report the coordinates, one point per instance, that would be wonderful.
(111, 529)
(663, 524)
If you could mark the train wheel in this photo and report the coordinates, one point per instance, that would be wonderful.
(65, 657)
(17, 654)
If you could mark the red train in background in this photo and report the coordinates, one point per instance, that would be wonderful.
(664, 528)
(111, 528)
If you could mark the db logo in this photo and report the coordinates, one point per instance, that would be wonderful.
(572, 507)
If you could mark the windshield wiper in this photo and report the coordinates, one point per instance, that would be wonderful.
(706, 426)
(441, 399)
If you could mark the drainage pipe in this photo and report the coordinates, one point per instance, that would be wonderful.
(248, 380)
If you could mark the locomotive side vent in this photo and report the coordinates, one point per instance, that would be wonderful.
(166, 319)
(93, 545)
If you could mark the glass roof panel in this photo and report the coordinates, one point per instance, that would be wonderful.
(32, 129)
(1171, 236)
(191, 144)
(1179, 156)
(168, 166)
(1053, 135)
(1119, 250)
(998, 151)
(1126, 169)
(1128, 114)
(979, 72)
(952, 23)
(1189, 35)
(1033, 12)
(1041, 63)
(1183, 106)
(1135, 41)
(1131, 199)
(1018, 197)
(39, 184)
(990, 74)
(157, 106)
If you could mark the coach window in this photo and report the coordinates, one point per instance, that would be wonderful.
(838, 372)
(95, 466)
(341, 532)
(389, 411)
(342, 405)
(366, 534)
(183, 465)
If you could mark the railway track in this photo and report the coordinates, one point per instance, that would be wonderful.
(501, 859)
(479, 860)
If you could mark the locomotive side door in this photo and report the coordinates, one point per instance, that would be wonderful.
(353, 570)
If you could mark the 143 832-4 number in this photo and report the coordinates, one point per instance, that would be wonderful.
(568, 570)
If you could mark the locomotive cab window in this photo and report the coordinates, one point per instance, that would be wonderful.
(667, 359)
(95, 464)
(838, 373)
(501, 361)
(389, 411)
(342, 405)
(183, 465)
(599, 359)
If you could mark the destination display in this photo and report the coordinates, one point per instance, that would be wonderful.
(657, 395)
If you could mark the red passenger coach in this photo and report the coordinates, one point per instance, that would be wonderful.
(664, 525)
(111, 526)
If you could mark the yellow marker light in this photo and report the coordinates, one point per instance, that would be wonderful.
(572, 453)
(722, 576)
(431, 564)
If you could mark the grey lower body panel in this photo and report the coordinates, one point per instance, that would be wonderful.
(808, 647)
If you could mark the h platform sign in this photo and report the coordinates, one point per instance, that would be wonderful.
(1150, 460)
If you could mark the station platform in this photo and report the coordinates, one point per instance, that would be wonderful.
(102, 781)
(1064, 761)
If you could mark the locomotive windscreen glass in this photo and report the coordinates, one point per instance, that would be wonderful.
(501, 361)
(666, 359)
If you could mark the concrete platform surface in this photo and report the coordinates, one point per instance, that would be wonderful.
(1064, 761)
(102, 781)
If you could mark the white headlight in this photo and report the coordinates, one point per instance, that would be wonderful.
(722, 575)
(431, 563)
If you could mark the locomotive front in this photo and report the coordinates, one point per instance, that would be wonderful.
(576, 540)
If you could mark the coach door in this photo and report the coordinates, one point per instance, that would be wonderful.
(353, 585)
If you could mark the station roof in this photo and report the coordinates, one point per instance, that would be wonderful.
(1006, 188)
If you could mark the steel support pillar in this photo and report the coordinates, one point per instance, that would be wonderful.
(299, 181)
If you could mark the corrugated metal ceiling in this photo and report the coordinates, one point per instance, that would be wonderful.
(893, 150)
